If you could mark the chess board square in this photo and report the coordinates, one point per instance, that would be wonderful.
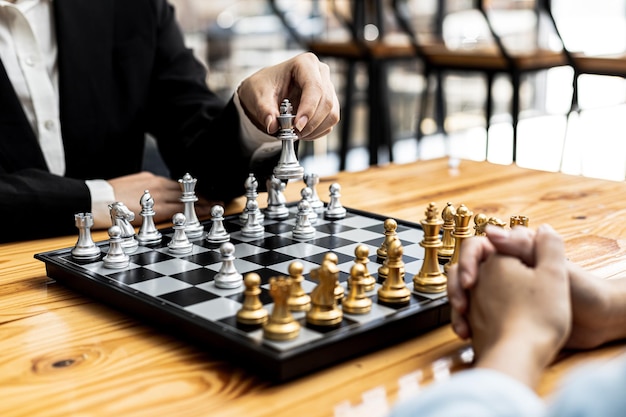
(151, 257)
(222, 292)
(283, 267)
(331, 242)
(215, 308)
(378, 312)
(360, 235)
(333, 227)
(204, 258)
(415, 251)
(318, 258)
(350, 248)
(173, 266)
(278, 228)
(361, 222)
(268, 258)
(305, 337)
(241, 265)
(243, 250)
(188, 296)
(411, 236)
(301, 250)
(274, 242)
(158, 286)
(135, 275)
(195, 276)
(98, 268)
(195, 249)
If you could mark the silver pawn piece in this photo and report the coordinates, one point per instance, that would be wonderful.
(122, 217)
(276, 208)
(335, 210)
(251, 184)
(217, 233)
(148, 233)
(228, 277)
(288, 166)
(115, 258)
(193, 228)
(303, 230)
(85, 248)
(252, 228)
(307, 194)
(180, 243)
(311, 181)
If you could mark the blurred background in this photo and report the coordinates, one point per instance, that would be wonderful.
(417, 78)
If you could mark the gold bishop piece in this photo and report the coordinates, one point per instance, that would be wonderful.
(430, 278)
(447, 241)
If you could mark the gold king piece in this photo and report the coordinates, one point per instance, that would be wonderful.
(430, 278)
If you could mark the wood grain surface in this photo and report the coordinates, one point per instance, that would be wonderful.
(64, 354)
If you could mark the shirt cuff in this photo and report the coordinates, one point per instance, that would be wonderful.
(257, 143)
(102, 195)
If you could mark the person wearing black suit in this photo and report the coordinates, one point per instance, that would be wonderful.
(120, 70)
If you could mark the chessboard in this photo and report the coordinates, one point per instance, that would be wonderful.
(176, 292)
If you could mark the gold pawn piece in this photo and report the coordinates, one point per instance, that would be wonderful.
(461, 231)
(357, 302)
(298, 299)
(390, 226)
(394, 290)
(430, 278)
(518, 221)
(361, 256)
(447, 241)
(324, 310)
(281, 324)
(252, 311)
(480, 222)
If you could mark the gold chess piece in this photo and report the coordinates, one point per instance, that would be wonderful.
(447, 241)
(298, 299)
(390, 226)
(394, 290)
(252, 311)
(281, 324)
(324, 310)
(357, 302)
(461, 231)
(339, 291)
(430, 278)
(480, 222)
(361, 256)
(518, 221)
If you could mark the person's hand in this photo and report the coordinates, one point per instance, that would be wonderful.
(165, 192)
(520, 316)
(306, 82)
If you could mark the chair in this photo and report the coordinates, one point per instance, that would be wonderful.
(495, 56)
(353, 50)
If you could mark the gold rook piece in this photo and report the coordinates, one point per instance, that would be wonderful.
(298, 300)
(361, 256)
(394, 290)
(447, 241)
(461, 231)
(518, 221)
(324, 310)
(252, 311)
(281, 324)
(430, 278)
(357, 302)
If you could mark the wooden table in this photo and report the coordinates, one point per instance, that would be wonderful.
(65, 355)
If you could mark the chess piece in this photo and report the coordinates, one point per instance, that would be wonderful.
(115, 258)
(311, 181)
(324, 310)
(193, 227)
(447, 241)
(228, 277)
(276, 208)
(494, 221)
(122, 217)
(281, 324)
(252, 311)
(148, 233)
(298, 300)
(480, 221)
(518, 221)
(217, 233)
(288, 166)
(357, 302)
(85, 248)
(390, 226)
(361, 256)
(430, 278)
(251, 185)
(335, 210)
(461, 231)
(307, 194)
(303, 230)
(179, 244)
(331, 257)
(252, 228)
(394, 290)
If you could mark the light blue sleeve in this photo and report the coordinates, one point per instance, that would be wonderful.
(475, 392)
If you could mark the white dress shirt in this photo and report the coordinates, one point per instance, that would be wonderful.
(28, 50)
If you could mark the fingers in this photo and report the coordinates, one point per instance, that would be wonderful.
(473, 252)
(549, 251)
(517, 242)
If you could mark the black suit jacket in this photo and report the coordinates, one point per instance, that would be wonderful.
(123, 71)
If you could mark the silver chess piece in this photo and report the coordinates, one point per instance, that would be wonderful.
(276, 202)
(122, 217)
(180, 243)
(251, 185)
(252, 228)
(217, 233)
(303, 230)
(288, 166)
(115, 258)
(228, 277)
(335, 210)
(193, 228)
(148, 233)
(85, 248)
(311, 181)
(307, 194)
